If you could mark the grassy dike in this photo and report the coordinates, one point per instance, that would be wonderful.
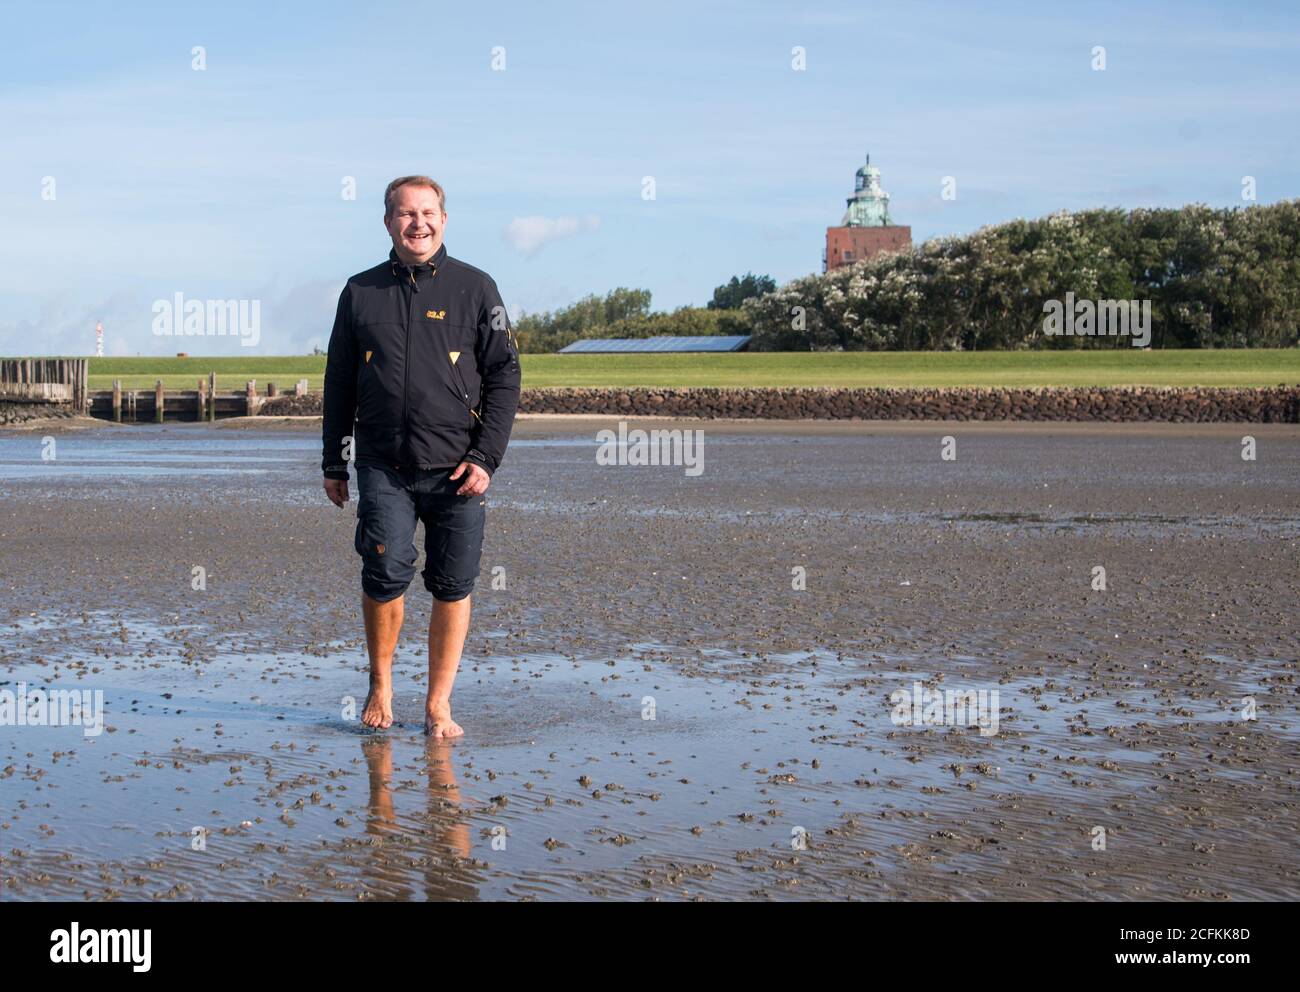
(847, 370)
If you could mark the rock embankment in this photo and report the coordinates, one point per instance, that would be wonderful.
(1280, 404)
(20, 413)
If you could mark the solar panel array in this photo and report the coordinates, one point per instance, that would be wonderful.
(695, 342)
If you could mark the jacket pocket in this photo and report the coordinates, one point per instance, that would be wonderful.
(379, 374)
(441, 398)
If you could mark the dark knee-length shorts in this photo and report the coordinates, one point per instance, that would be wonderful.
(389, 503)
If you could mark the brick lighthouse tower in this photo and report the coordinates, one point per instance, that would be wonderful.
(865, 230)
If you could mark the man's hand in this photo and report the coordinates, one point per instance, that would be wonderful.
(337, 491)
(476, 480)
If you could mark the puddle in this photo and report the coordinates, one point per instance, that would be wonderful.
(258, 757)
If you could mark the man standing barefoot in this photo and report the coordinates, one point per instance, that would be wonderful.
(421, 388)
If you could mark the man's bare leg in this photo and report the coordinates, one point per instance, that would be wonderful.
(447, 629)
(383, 625)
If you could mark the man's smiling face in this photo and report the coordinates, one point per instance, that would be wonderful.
(416, 223)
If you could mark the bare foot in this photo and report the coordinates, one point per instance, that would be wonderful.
(438, 721)
(378, 711)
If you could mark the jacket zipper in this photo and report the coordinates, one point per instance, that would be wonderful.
(410, 292)
(406, 371)
(474, 414)
(455, 370)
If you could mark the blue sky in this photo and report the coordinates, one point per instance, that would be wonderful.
(226, 183)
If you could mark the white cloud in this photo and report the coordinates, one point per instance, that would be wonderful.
(529, 234)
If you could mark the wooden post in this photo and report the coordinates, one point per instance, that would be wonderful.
(300, 388)
(212, 397)
(203, 398)
(117, 400)
(159, 398)
(271, 391)
(250, 398)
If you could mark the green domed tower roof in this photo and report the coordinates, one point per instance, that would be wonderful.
(869, 204)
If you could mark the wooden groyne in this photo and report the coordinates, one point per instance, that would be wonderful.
(45, 381)
(206, 402)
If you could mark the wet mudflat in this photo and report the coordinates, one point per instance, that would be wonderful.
(677, 686)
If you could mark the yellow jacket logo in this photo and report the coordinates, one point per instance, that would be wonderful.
(435, 314)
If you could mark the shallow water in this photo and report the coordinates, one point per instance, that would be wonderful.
(261, 753)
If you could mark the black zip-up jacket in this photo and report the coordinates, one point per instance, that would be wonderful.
(423, 360)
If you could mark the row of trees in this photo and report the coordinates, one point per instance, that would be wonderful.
(1215, 278)
(626, 313)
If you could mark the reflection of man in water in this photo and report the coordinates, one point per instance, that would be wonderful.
(421, 388)
(441, 834)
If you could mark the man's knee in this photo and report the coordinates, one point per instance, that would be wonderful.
(453, 548)
(448, 590)
(382, 589)
(386, 570)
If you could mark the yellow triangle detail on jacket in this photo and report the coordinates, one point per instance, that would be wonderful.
(368, 354)
(454, 355)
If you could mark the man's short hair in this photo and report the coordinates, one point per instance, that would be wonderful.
(412, 181)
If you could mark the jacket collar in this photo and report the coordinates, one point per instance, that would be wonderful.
(412, 272)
